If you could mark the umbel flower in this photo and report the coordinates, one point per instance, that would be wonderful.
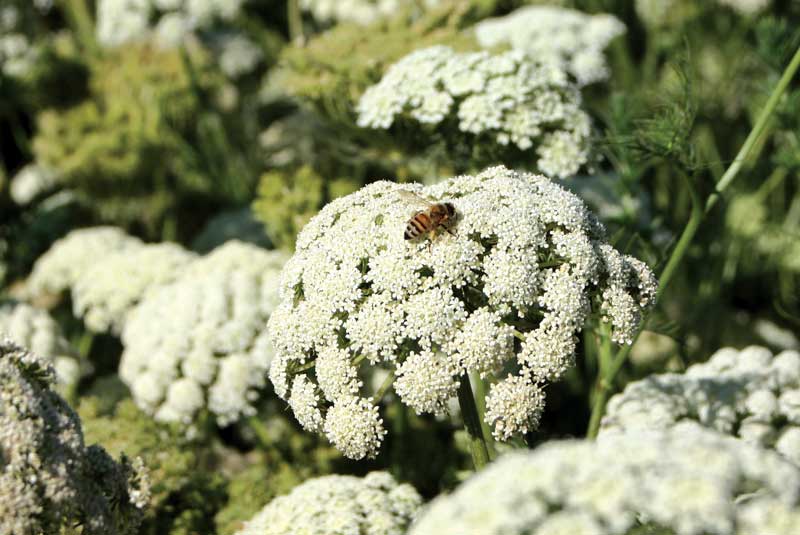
(61, 266)
(50, 481)
(373, 505)
(508, 99)
(33, 328)
(687, 481)
(750, 394)
(363, 12)
(112, 286)
(503, 296)
(198, 343)
(568, 38)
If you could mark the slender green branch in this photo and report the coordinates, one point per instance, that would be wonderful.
(385, 386)
(472, 424)
(79, 17)
(295, 20)
(260, 431)
(606, 382)
(755, 133)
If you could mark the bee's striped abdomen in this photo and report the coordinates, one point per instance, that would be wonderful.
(417, 225)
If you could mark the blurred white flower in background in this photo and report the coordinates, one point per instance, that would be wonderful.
(508, 98)
(69, 258)
(32, 181)
(686, 480)
(105, 293)
(751, 394)
(572, 40)
(34, 328)
(363, 12)
(200, 342)
(504, 297)
(332, 505)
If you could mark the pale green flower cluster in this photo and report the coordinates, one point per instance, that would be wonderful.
(114, 284)
(363, 12)
(750, 394)
(570, 39)
(50, 481)
(685, 481)
(503, 296)
(199, 342)
(507, 99)
(63, 264)
(333, 505)
(33, 328)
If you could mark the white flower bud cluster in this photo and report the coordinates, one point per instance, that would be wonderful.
(33, 327)
(686, 480)
(198, 342)
(750, 394)
(508, 98)
(124, 21)
(573, 40)
(30, 182)
(110, 288)
(362, 12)
(50, 481)
(507, 291)
(746, 8)
(61, 266)
(332, 505)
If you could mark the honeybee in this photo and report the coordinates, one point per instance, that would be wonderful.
(429, 219)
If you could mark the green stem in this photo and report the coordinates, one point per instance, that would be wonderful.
(606, 382)
(295, 20)
(79, 17)
(387, 384)
(472, 424)
(755, 133)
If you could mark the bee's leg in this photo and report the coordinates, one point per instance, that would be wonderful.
(448, 231)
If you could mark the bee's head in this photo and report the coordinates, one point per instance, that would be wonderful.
(451, 210)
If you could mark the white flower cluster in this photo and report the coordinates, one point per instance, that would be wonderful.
(49, 479)
(363, 12)
(17, 52)
(507, 98)
(659, 12)
(123, 21)
(111, 287)
(63, 264)
(751, 394)
(199, 342)
(573, 40)
(746, 7)
(333, 505)
(33, 328)
(686, 480)
(30, 182)
(510, 288)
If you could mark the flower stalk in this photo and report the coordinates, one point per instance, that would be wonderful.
(605, 383)
(472, 424)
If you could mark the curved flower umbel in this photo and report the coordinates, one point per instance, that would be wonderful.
(503, 296)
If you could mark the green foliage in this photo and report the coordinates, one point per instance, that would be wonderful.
(287, 200)
(186, 492)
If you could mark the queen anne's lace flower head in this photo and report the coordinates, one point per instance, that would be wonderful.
(751, 394)
(49, 479)
(570, 39)
(507, 98)
(108, 290)
(686, 480)
(199, 343)
(33, 328)
(509, 289)
(61, 266)
(331, 505)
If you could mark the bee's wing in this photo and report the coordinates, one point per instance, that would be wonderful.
(412, 198)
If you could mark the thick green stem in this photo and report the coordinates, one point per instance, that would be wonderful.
(80, 18)
(606, 382)
(472, 424)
